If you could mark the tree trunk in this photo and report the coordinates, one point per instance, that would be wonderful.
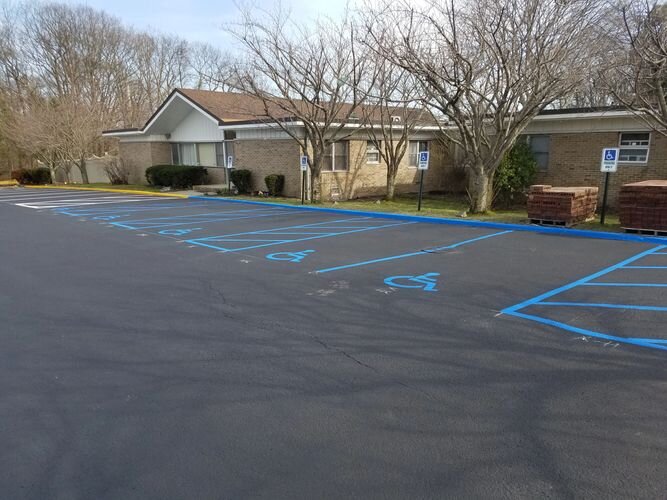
(315, 187)
(391, 183)
(480, 190)
(83, 170)
(315, 184)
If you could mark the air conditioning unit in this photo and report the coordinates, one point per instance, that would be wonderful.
(395, 119)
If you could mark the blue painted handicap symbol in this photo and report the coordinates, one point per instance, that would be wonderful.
(610, 154)
(178, 232)
(425, 281)
(106, 217)
(290, 256)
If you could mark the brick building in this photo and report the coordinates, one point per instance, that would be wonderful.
(198, 127)
(205, 128)
(568, 144)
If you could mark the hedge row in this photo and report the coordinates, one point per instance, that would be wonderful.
(176, 176)
(32, 176)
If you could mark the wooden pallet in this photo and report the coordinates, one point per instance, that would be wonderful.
(550, 222)
(649, 232)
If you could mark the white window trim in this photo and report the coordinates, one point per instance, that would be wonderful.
(333, 160)
(428, 148)
(375, 150)
(647, 148)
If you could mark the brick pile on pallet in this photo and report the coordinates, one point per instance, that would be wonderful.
(561, 205)
(643, 205)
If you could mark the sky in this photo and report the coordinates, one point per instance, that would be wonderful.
(201, 20)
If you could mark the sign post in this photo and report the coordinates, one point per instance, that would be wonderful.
(230, 166)
(608, 165)
(422, 166)
(304, 171)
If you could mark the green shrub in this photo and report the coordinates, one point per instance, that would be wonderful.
(515, 174)
(32, 176)
(176, 176)
(275, 183)
(241, 179)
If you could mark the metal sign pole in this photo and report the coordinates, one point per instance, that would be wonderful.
(421, 190)
(422, 165)
(604, 198)
(610, 157)
(303, 187)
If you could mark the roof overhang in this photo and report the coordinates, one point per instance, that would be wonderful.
(166, 118)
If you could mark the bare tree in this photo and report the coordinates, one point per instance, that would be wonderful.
(391, 116)
(639, 72)
(311, 77)
(212, 69)
(487, 67)
(94, 71)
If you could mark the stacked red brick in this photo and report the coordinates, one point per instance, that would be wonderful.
(563, 205)
(643, 205)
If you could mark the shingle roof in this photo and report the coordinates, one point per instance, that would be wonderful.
(230, 106)
(236, 107)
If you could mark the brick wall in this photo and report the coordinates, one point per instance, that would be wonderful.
(265, 157)
(574, 160)
(367, 179)
(138, 156)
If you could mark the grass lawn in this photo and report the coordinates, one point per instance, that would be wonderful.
(451, 206)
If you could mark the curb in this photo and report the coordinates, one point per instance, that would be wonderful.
(576, 233)
(8, 183)
(105, 190)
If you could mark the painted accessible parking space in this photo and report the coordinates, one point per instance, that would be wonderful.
(446, 267)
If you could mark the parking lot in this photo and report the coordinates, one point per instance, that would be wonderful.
(196, 348)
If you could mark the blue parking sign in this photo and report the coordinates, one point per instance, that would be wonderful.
(423, 160)
(609, 160)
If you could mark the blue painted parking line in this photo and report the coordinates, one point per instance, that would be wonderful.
(270, 237)
(184, 220)
(644, 267)
(588, 281)
(651, 343)
(602, 283)
(85, 212)
(411, 254)
(606, 306)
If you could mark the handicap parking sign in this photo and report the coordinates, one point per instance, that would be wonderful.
(423, 160)
(609, 160)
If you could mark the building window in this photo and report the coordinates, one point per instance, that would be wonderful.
(206, 156)
(414, 148)
(219, 154)
(175, 157)
(372, 152)
(184, 153)
(634, 147)
(539, 145)
(335, 158)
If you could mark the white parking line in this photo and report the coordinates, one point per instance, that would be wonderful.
(47, 196)
(83, 202)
